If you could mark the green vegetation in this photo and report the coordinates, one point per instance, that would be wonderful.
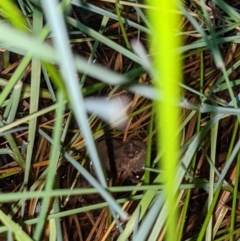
(69, 73)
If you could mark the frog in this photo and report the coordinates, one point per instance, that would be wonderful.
(123, 160)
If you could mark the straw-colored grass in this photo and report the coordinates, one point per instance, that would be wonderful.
(58, 59)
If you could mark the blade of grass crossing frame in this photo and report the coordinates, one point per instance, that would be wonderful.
(214, 132)
(20, 69)
(193, 164)
(149, 220)
(118, 9)
(103, 39)
(95, 46)
(44, 51)
(13, 14)
(10, 113)
(14, 153)
(143, 207)
(213, 45)
(165, 23)
(19, 234)
(235, 199)
(15, 101)
(149, 145)
(69, 73)
(56, 209)
(54, 156)
(34, 98)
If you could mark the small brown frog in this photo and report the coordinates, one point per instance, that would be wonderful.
(124, 160)
(120, 160)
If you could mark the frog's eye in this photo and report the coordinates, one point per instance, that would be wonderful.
(130, 154)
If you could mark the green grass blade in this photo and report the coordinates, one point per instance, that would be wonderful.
(69, 74)
(16, 229)
(167, 79)
(54, 157)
